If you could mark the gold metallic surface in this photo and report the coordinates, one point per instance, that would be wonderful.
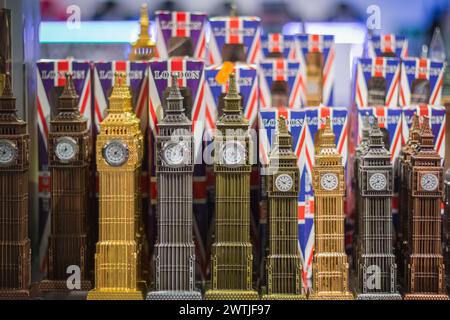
(283, 264)
(330, 262)
(232, 258)
(118, 251)
(144, 48)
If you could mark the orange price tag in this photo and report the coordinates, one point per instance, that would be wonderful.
(224, 72)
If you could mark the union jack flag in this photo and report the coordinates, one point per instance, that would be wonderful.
(181, 24)
(278, 43)
(324, 44)
(381, 45)
(367, 68)
(424, 69)
(235, 30)
(284, 70)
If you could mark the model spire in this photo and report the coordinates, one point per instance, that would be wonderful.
(232, 99)
(7, 99)
(426, 135)
(120, 100)
(68, 100)
(376, 136)
(144, 48)
(327, 137)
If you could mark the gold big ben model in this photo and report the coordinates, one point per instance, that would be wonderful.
(330, 264)
(119, 155)
(232, 257)
(284, 269)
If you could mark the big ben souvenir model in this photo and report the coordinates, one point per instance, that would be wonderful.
(283, 264)
(69, 160)
(119, 155)
(404, 204)
(330, 264)
(15, 252)
(232, 258)
(424, 261)
(377, 271)
(175, 249)
(144, 48)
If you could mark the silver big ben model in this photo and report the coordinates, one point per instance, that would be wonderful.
(377, 271)
(175, 250)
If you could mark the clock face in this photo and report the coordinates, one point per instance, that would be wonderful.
(233, 153)
(115, 153)
(284, 182)
(66, 149)
(8, 152)
(175, 153)
(378, 182)
(429, 182)
(329, 181)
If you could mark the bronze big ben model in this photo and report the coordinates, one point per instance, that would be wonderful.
(69, 159)
(232, 258)
(377, 271)
(283, 266)
(424, 260)
(175, 249)
(119, 156)
(330, 264)
(15, 252)
(144, 48)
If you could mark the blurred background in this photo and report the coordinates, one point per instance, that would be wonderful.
(415, 19)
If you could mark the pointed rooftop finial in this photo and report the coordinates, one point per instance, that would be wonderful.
(175, 98)
(7, 90)
(282, 127)
(69, 87)
(233, 10)
(174, 88)
(376, 135)
(232, 87)
(327, 136)
(415, 129)
(426, 135)
(144, 48)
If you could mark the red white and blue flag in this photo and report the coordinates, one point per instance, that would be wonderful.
(421, 69)
(181, 24)
(324, 44)
(367, 68)
(235, 30)
(387, 44)
(271, 70)
(278, 43)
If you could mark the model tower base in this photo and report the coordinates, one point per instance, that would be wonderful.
(331, 296)
(425, 296)
(15, 295)
(283, 297)
(231, 295)
(115, 295)
(379, 296)
(174, 295)
(61, 286)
